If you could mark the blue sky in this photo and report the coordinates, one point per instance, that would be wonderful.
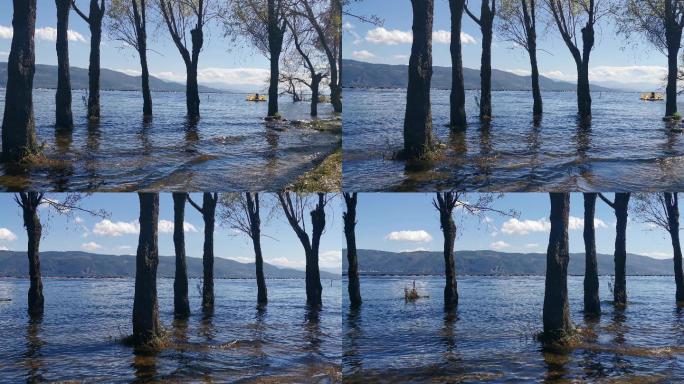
(407, 221)
(222, 62)
(612, 61)
(119, 235)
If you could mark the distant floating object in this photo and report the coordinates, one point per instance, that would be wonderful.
(256, 98)
(652, 96)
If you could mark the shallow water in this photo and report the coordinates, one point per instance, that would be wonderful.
(491, 336)
(626, 148)
(230, 148)
(78, 338)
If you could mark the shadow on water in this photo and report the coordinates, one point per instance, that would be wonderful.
(33, 355)
(583, 142)
(449, 337)
(206, 326)
(60, 175)
(144, 365)
(353, 357)
(312, 330)
(93, 140)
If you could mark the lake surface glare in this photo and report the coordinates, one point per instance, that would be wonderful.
(79, 336)
(627, 146)
(491, 337)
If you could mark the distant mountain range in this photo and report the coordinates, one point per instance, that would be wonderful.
(83, 264)
(46, 77)
(359, 74)
(493, 263)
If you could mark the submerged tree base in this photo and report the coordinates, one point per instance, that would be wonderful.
(428, 154)
(560, 339)
(155, 344)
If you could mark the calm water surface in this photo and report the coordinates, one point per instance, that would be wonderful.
(491, 336)
(79, 336)
(230, 148)
(626, 148)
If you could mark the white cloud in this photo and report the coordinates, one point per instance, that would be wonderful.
(241, 259)
(124, 247)
(381, 35)
(419, 249)
(401, 57)
(221, 76)
(532, 245)
(6, 32)
(91, 246)
(78, 220)
(7, 235)
(109, 228)
(363, 55)
(578, 223)
(285, 262)
(657, 255)
(499, 245)
(419, 236)
(129, 72)
(166, 226)
(517, 227)
(331, 259)
(519, 72)
(4, 55)
(50, 34)
(3, 248)
(634, 74)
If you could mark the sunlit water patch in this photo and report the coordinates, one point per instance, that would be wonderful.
(79, 336)
(491, 337)
(626, 147)
(230, 148)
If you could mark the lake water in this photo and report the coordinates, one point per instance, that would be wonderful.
(78, 338)
(491, 336)
(627, 147)
(231, 148)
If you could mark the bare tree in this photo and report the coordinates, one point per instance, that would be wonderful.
(128, 23)
(457, 97)
(592, 302)
(620, 206)
(94, 21)
(181, 304)
(64, 117)
(208, 211)
(486, 23)
(519, 26)
(18, 124)
(662, 211)
(354, 288)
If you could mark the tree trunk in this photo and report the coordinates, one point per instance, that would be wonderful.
(457, 97)
(315, 83)
(583, 88)
(537, 109)
(450, 287)
(592, 302)
(620, 289)
(313, 274)
(64, 117)
(672, 72)
(181, 304)
(30, 202)
(336, 65)
(672, 207)
(487, 20)
(354, 288)
(275, 46)
(255, 229)
(208, 214)
(556, 310)
(94, 68)
(140, 18)
(192, 92)
(418, 140)
(146, 325)
(18, 125)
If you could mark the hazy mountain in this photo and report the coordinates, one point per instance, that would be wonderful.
(492, 262)
(359, 74)
(46, 77)
(83, 264)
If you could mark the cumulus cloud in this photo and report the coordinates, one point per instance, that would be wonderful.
(7, 235)
(524, 227)
(499, 245)
(129, 72)
(50, 34)
(657, 255)
(107, 227)
(285, 262)
(166, 226)
(363, 55)
(634, 74)
(6, 32)
(221, 76)
(578, 223)
(91, 246)
(519, 72)
(385, 36)
(419, 249)
(419, 236)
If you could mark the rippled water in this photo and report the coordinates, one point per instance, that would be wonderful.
(626, 147)
(491, 336)
(231, 148)
(78, 338)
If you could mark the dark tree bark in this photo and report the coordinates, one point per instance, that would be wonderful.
(486, 23)
(255, 234)
(316, 77)
(620, 206)
(140, 20)
(18, 125)
(315, 84)
(418, 138)
(445, 203)
(457, 98)
(672, 208)
(146, 326)
(313, 276)
(673, 39)
(208, 211)
(276, 32)
(530, 20)
(190, 57)
(29, 202)
(94, 21)
(592, 302)
(181, 304)
(557, 322)
(64, 117)
(354, 287)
